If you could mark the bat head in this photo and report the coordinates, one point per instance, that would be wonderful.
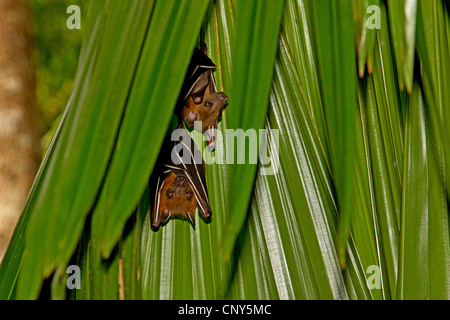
(207, 111)
(176, 198)
(210, 108)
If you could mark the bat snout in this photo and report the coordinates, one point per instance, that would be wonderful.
(210, 136)
(212, 143)
(191, 117)
(222, 97)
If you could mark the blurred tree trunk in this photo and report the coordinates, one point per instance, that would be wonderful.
(19, 134)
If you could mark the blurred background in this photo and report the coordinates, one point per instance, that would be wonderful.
(38, 61)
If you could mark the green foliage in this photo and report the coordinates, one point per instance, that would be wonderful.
(57, 51)
(362, 185)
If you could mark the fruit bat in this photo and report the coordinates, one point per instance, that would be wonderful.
(200, 100)
(180, 187)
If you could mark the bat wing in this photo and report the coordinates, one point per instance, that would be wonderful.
(156, 213)
(199, 74)
(194, 169)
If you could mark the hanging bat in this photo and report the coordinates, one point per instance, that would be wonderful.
(181, 187)
(206, 113)
(200, 99)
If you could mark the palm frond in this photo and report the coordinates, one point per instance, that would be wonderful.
(357, 207)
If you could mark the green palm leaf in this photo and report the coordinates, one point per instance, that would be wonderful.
(357, 207)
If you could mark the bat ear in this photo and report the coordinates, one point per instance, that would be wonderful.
(191, 217)
(165, 215)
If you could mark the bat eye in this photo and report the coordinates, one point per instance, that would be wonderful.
(189, 195)
(208, 104)
(169, 193)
